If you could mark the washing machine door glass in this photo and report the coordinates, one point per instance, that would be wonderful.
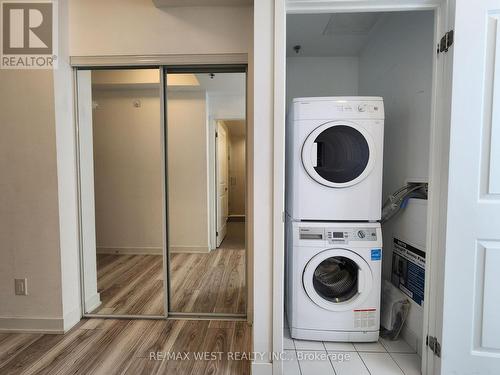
(337, 279)
(338, 154)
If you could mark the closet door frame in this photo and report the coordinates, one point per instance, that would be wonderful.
(438, 145)
(235, 62)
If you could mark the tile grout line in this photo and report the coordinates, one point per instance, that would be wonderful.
(328, 358)
(362, 360)
(397, 364)
(298, 362)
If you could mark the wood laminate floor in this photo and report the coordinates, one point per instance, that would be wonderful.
(109, 347)
(212, 282)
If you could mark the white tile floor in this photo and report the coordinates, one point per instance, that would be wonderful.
(328, 358)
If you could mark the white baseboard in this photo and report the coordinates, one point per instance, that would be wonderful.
(189, 249)
(130, 250)
(49, 325)
(93, 302)
(262, 368)
(31, 325)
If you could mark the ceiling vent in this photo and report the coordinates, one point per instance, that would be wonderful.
(351, 23)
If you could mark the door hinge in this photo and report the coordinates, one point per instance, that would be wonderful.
(217, 234)
(216, 134)
(446, 42)
(433, 344)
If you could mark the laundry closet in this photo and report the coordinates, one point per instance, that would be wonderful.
(388, 55)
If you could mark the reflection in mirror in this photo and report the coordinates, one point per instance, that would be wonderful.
(206, 127)
(121, 191)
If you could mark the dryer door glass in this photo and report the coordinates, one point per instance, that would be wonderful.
(336, 279)
(343, 154)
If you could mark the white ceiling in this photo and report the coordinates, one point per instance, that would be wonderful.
(340, 34)
(227, 83)
(221, 83)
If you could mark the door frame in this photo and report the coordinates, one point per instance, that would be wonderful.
(438, 161)
(237, 62)
(217, 166)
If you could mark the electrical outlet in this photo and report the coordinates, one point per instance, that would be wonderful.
(21, 287)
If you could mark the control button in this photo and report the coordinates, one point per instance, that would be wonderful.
(361, 234)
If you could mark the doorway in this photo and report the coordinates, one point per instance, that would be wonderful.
(352, 54)
(231, 182)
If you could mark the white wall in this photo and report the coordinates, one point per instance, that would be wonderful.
(321, 76)
(29, 223)
(188, 171)
(135, 27)
(226, 105)
(128, 169)
(237, 178)
(397, 65)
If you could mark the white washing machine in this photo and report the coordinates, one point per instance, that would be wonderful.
(334, 281)
(334, 158)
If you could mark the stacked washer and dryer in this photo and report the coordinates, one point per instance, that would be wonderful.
(333, 200)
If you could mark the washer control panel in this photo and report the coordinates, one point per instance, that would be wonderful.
(338, 235)
(343, 235)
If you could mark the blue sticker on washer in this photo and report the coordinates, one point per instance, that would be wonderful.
(376, 254)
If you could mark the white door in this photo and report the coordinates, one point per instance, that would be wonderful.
(222, 182)
(471, 292)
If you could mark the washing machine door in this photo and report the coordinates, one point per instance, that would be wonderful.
(339, 154)
(337, 279)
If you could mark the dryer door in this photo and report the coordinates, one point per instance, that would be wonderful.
(337, 279)
(339, 154)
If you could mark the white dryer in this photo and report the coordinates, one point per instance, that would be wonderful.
(334, 158)
(334, 281)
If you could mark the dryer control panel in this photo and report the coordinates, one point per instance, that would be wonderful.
(344, 235)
